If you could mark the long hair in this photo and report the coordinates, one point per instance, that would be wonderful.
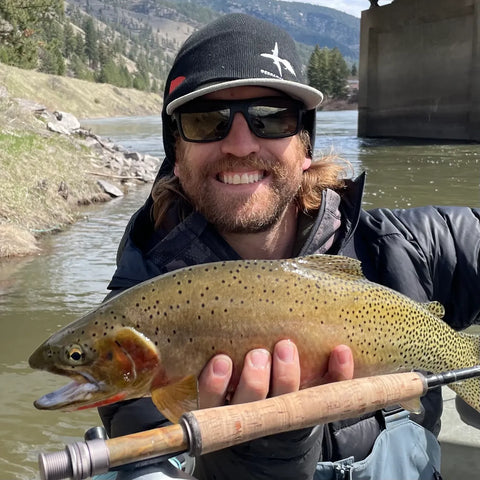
(325, 172)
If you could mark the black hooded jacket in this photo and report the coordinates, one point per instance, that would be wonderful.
(428, 253)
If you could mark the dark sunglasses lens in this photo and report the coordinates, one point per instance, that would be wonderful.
(274, 121)
(205, 126)
(267, 118)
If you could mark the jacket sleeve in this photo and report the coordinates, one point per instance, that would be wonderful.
(428, 253)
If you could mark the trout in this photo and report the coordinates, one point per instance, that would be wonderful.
(156, 337)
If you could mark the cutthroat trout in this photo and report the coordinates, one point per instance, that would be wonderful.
(155, 338)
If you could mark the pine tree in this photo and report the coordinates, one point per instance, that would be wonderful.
(328, 72)
(21, 29)
(338, 74)
(91, 42)
(313, 69)
(69, 40)
(80, 47)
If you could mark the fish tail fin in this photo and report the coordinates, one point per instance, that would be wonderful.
(469, 390)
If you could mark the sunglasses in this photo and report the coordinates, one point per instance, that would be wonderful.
(210, 120)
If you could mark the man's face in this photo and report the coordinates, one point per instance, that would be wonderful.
(243, 183)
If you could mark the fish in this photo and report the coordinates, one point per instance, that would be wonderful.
(155, 338)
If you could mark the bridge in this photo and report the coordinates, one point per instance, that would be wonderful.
(419, 75)
(419, 70)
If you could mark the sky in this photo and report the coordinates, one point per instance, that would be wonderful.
(352, 7)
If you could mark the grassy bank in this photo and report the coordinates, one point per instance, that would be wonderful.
(45, 175)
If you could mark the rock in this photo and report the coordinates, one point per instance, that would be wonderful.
(63, 190)
(68, 120)
(56, 127)
(31, 106)
(112, 190)
(63, 122)
(135, 156)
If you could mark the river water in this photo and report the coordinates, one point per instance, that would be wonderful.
(40, 294)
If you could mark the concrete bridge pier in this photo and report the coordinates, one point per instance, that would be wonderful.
(420, 70)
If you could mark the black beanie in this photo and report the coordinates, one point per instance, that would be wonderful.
(235, 50)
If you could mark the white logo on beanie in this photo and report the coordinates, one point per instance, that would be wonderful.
(279, 62)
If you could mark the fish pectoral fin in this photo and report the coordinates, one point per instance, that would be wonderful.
(177, 398)
(414, 405)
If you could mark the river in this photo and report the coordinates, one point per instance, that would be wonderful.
(41, 293)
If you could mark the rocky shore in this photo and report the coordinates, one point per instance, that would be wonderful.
(111, 161)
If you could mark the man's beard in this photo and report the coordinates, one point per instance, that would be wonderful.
(244, 213)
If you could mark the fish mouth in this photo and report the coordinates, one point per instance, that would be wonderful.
(84, 392)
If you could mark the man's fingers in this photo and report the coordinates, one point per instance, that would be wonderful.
(263, 375)
(285, 369)
(213, 381)
(255, 377)
(340, 365)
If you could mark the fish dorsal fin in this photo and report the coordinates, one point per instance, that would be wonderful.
(435, 308)
(332, 264)
(177, 398)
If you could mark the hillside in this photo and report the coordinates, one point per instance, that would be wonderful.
(79, 97)
(171, 21)
(308, 24)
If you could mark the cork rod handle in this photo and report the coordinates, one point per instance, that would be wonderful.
(216, 428)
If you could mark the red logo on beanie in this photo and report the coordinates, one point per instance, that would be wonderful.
(175, 83)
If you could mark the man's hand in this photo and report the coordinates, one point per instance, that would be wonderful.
(266, 375)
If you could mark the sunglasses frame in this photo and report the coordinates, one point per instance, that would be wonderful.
(238, 106)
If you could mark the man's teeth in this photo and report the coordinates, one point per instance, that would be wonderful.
(237, 179)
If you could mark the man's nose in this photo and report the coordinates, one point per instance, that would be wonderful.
(240, 141)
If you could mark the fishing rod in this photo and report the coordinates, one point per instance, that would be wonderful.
(212, 429)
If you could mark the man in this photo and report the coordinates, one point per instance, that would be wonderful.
(238, 181)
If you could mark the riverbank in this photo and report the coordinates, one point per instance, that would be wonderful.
(49, 166)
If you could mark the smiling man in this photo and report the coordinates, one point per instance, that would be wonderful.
(239, 181)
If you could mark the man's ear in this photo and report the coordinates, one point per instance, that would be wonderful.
(175, 170)
(306, 163)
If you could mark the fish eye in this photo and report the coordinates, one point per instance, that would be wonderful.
(74, 354)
